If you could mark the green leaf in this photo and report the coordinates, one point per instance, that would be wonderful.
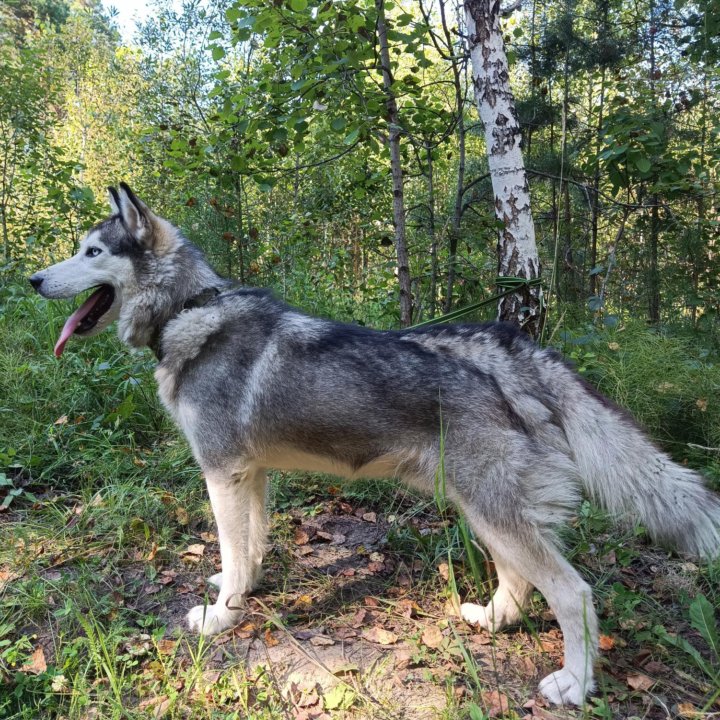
(217, 52)
(340, 696)
(643, 164)
(352, 137)
(265, 184)
(338, 124)
(298, 5)
(680, 642)
(702, 618)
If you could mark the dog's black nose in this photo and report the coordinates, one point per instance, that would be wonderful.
(36, 280)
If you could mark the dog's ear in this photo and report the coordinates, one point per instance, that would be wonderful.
(114, 200)
(134, 213)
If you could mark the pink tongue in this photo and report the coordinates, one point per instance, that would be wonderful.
(75, 319)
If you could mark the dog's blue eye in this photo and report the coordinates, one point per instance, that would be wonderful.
(93, 251)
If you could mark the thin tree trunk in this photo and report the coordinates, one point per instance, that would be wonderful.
(571, 289)
(6, 235)
(403, 263)
(460, 180)
(241, 227)
(699, 244)
(431, 231)
(517, 250)
(653, 274)
(595, 206)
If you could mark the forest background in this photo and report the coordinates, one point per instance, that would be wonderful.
(263, 130)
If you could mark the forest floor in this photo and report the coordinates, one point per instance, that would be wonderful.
(355, 616)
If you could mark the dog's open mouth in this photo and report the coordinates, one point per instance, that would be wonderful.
(87, 316)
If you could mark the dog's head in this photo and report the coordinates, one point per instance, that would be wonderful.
(108, 260)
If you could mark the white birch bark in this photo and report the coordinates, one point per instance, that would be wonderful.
(517, 250)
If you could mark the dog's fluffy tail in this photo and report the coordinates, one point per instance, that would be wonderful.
(627, 475)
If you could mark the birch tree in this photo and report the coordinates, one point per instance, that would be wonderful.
(517, 250)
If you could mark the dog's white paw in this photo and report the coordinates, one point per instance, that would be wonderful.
(211, 619)
(215, 580)
(563, 688)
(485, 617)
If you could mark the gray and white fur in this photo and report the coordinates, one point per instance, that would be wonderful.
(255, 384)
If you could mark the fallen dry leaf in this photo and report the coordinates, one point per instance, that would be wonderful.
(432, 636)
(639, 681)
(270, 639)
(209, 537)
(408, 608)
(702, 404)
(303, 602)
(193, 553)
(182, 515)
(157, 705)
(210, 677)
(380, 635)
(359, 618)
(496, 703)
(36, 664)
(167, 576)
(153, 552)
(166, 646)
(613, 346)
(321, 640)
(301, 536)
(308, 699)
(370, 517)
(345, 633)
(444, 571)
(688, 710)
(5, 577)
(606, 642)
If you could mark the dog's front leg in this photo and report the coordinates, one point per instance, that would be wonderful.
(238, 502)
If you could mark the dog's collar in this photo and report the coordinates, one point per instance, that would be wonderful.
(204, 297)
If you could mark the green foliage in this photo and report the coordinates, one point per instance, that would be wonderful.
(667, 381)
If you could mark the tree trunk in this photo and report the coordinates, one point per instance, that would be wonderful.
(460, 179)
(653, 271)
(595, 197)
(431, 231)
(403, 264)
(517, 251)
(5, 235)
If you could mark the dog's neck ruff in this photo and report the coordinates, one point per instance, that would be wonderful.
(203, 298)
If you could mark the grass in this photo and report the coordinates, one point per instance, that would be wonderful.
(105, 511)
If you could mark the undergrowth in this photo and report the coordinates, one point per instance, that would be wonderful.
(101, 499)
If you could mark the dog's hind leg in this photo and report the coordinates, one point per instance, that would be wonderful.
(529, 554)
(507, 604)
(238, 502)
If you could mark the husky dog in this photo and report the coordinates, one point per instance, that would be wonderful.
(255, 384)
